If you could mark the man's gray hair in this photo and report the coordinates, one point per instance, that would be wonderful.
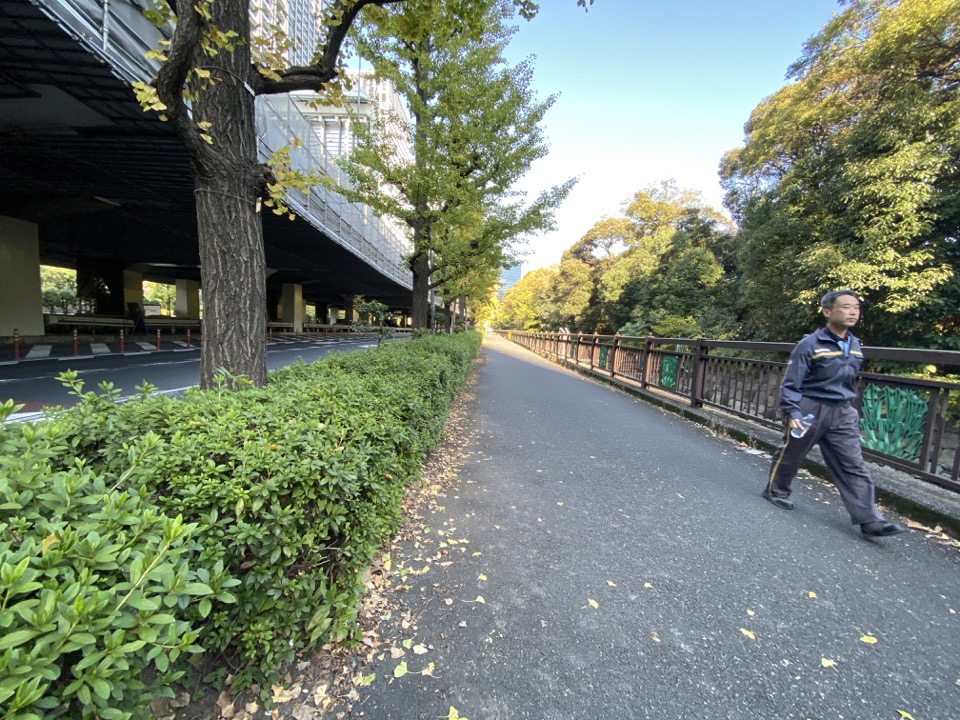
(827, 301)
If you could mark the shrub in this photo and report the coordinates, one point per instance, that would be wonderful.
(94, 581)
(288, 490)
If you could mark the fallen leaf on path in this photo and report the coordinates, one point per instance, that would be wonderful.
(593, 603)
(611, 583)
(400, 670)
(748, 633)
(868, 639)
(811, 594)
(904, 715)
(454, 715)
(648, 586)
(825, 662)
(481, 577)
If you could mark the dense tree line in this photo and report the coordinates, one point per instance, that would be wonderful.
(849, 176)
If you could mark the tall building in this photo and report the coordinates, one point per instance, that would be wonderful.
(508, 278)
(298, 19)
(335, 125)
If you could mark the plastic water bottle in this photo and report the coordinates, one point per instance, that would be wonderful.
(805, 422)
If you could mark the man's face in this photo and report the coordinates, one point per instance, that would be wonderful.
(845, 312)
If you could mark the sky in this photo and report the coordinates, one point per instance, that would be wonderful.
(650, 90)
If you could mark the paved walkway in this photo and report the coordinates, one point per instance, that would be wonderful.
(602, 558)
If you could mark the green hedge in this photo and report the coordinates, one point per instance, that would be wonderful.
(135, 535)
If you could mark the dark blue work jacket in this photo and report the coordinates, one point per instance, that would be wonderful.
(820, 369)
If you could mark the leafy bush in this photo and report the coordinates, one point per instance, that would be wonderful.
(94, 582)
(287, 492)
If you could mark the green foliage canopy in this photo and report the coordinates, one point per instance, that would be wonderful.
(848, 177)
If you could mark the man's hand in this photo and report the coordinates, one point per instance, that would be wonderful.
(794, 424)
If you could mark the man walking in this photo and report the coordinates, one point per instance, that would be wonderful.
(821, 381)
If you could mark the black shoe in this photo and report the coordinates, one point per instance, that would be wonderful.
(881, 528)
(781, 502)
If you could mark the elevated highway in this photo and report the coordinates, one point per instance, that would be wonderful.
(89, 181)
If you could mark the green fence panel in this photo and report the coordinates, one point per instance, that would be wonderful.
(668, 371)
(892, 420)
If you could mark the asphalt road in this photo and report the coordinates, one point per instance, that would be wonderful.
(34, 384)
(628, 568)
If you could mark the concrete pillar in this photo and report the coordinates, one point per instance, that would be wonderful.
(188, 300)
(322, 313)
(273, 302)
(291, 306)
(132, 289)
(103, 284)
(21, 299)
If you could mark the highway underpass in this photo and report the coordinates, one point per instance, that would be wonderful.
(89, 181)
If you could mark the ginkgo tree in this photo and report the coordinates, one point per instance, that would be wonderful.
(475, 132)
(211, 71)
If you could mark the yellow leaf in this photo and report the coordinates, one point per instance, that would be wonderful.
(868, 639)
(428, 670)
(611, 583)
(367, 679)
(751, 613)
(904, 715)
(482, 578)
(648, 586)
(480, 600)
(593, 603)
(419, 649)
(47, 542)
(387, 563)
(400, 670)
(827, 663)
(811, 594)
(454, 715)
(748, 633)
(206, 138)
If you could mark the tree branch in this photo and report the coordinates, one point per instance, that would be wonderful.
(314, 77)
(172, 77)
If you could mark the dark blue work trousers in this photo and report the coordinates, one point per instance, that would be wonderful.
(836, 428)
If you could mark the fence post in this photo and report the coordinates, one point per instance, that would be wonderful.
(76, 343)
(16, 344)
(121, 339)
(612, 358)
(645, 359)
(593, 350)
(699, 373)
(188, 337)
(576, 348)
(158, 338)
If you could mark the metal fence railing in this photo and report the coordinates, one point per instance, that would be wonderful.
(906, 422)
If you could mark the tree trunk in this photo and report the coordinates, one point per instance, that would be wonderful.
(421, 291)
(228, 181)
